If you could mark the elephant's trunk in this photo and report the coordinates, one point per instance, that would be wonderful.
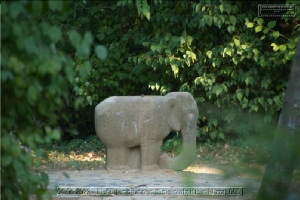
(188, 154)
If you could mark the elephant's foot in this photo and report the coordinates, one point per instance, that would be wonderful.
(164, 161)
(153, 167)
(132, 171)
(117, 167)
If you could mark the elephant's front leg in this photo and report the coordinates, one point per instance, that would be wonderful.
(150, 154)
(116, 158)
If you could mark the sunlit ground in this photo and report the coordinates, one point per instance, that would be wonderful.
(222, 159)
(203, 169)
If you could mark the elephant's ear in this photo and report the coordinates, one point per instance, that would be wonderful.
(173, 114)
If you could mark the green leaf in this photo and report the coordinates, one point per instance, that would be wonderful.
(260, 21)
(75, 38)
(215, 122)
(232, 20)
(210, 20)
(219, 24)
(209, 81)
(175, 69)
(101, 36)
(275, 47)
(156, 48)
(236, 42)
(84, 69)
(161, 60)
(291, 45)
(15, 64)
(249, 24)
(244, 46)
(6, 160)
(221, 8)
(157, 86)
(197, 81)
(84, 49)
(55, 34)
(276, 34)
(78, 102)
(189, 39)
(239, 94)
(32, 94)
(230, 29)
(216, 62)
(255, 51)
(282, 47)
(77, 80)
(235, 60)
(37, 6)
(197, 8)
(55, 5)
(245, 103)
(101, 51)
(258, 29)
(15, 151)
(270, 101)
(212, 135)
(218, 90)
(6, 75)
(30, 45)
(17, 30)
(56, 134)
(261, 101)
(38, 138)
(209, 54)
(193, 56)
(224, 87)
(88, 38)
(249, 80)
(147, 14)
(255, 108)
(15, 9)
(266, 30)
(227, 8)
(227, 51)
(88, 98)
(146, 9)
(271, 24)
(222, 136)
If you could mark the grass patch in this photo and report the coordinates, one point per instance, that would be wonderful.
(231, 152)
(90, 154)
(231, 157)
(77, 154)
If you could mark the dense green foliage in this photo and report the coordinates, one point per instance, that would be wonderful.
(36, 78)
(219, 51)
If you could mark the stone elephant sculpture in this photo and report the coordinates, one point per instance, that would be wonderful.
(133, 128)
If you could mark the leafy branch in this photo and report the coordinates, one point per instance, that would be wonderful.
(259, 26)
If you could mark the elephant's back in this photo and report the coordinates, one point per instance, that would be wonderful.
(123, 118)
(117, 103)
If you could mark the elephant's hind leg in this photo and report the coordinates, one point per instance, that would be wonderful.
(134, 158)
(116, 159)
(150, 154)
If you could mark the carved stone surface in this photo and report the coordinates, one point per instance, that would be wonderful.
(133, 128)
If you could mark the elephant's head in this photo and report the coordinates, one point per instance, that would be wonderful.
(183, 115)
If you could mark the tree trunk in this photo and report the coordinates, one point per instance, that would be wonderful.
(285, 147)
